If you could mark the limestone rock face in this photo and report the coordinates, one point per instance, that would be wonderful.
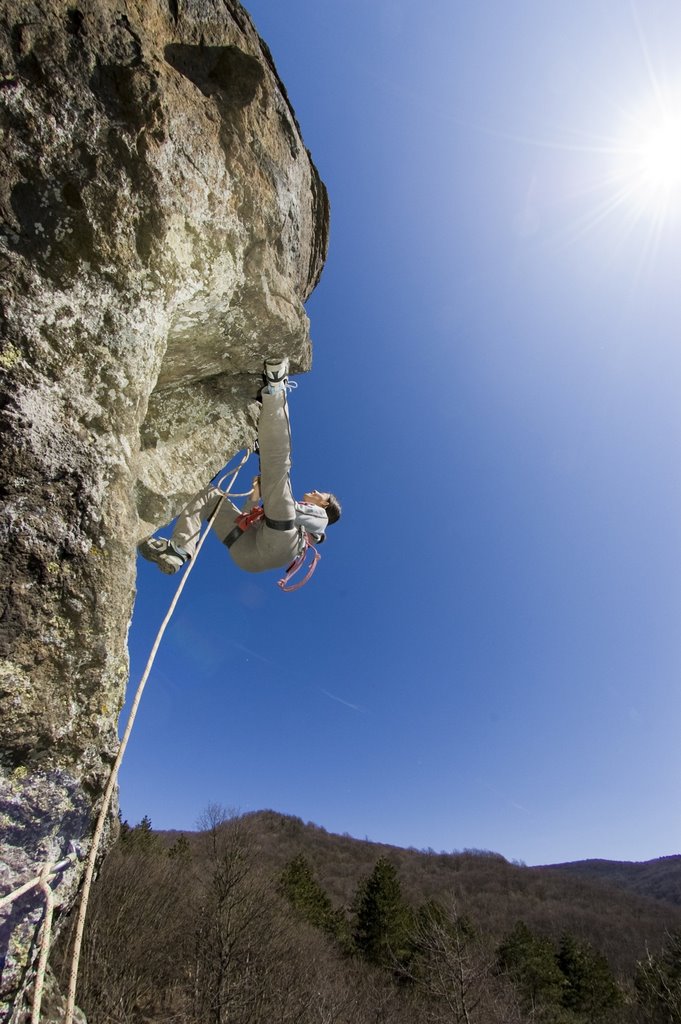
(161, 224)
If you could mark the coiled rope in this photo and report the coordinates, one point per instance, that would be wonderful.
(108, 793)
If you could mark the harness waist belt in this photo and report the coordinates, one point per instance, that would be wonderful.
(280, 524)
(274, 524)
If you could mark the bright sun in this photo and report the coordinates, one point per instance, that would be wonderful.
(647, 163)
(660, 157)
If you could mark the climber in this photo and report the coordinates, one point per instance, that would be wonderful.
(278, 537)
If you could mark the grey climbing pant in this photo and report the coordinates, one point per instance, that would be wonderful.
(260, 547)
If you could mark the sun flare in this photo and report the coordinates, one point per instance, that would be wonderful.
(629, 182)
(647, 161)
(661, 157)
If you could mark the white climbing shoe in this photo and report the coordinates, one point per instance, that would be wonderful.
(161, 551)
(276, 374)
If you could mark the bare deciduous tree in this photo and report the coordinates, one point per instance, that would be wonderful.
(137, 919)
(454, 969)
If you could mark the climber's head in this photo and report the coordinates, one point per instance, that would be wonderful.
(329, 502)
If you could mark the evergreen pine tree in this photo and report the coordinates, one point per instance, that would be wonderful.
(180, 850)
(140, 839)
(298, 884)
(383, 919)
(530, 962)
(591, 988)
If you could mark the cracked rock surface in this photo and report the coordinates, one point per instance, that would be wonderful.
(161, 224)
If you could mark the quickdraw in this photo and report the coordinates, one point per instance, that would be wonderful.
(297, 565)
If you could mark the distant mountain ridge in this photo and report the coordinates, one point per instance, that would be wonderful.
(620, 908)
(658, 879)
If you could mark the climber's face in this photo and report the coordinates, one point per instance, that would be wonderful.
(320, 498)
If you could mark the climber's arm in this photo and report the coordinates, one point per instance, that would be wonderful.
(254, 496)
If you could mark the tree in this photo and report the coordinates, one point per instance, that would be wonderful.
(658, 983)
(590, 987)
(180, 850)
(299, 886)
(454, 969)
(229, 900)
(135, 938)
(241, 963)
(530, 962)
(140, 839)
(383, 919)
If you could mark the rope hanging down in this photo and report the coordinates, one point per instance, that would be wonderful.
(108, 793)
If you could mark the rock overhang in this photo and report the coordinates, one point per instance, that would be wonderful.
(162, 226)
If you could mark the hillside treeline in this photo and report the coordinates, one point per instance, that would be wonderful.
(242, 924)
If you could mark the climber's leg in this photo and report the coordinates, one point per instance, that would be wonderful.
(276, 541)
(185, 536)
(274, 439)
(171, 554)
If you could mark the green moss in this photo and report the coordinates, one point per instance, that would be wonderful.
(9, 357)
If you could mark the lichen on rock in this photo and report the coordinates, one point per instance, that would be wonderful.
(161, 225)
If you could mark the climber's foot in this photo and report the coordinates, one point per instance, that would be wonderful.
(162, 551)
(276, 374)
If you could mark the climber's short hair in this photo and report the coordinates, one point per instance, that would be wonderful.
(333, 509)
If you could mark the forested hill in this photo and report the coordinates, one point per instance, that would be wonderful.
(496, 893)
(659, 879)
(262, 919)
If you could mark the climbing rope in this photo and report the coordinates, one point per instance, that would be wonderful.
(108, 793)
(44, 944)
(41, 881)
(55, 869)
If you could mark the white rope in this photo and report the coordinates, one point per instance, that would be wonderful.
(42, 881)
(44, 944)
(106, 800)
(10, 897)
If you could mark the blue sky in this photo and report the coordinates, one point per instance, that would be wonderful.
(489, 653)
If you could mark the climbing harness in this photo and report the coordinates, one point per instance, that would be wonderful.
(256, 515)
(108, 793)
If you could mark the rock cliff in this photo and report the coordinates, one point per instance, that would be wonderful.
(161, 224)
